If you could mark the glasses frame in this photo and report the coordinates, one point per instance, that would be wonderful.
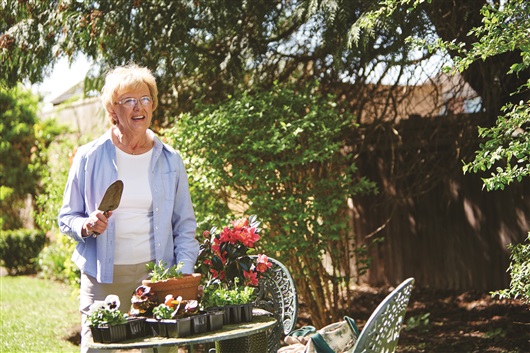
(132, 102)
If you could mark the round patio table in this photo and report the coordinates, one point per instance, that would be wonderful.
(259, 324)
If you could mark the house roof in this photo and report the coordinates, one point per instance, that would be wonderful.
(76, 89)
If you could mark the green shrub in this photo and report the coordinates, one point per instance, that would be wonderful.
(57, 146)
(53, 162)
(18, 107)
(56, 264)
(519, 272)
(420, 323)
(281, 154)
(10, 216)
(19, 250)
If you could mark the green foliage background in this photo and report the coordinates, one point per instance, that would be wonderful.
(280, 154)
(36, 155)
(55, 260)
(24, 143)
(18, 117)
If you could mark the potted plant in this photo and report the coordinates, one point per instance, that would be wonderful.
(236, 302)
(164, 280)
(232, 274)
(143, 301)
(244, 296)
(108, 324)
(215, 319)
(172, 317)
(215, 300)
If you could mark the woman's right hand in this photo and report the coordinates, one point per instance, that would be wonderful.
(96, 223)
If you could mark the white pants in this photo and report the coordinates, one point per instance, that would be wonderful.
(126, 279)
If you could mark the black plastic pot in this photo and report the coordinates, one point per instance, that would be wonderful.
(215, 320)
(156, 328)
(199, 323)
(246, 312)
(137, 328)
(235, 314)
(173, 328)
(178, 328)
(109, 334)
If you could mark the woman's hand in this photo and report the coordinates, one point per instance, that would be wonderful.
(96, 223)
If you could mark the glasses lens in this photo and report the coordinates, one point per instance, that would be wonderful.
(129, 102)
(145, 100)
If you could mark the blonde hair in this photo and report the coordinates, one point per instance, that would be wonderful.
(122, 78)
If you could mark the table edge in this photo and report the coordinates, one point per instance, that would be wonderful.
(208, 337)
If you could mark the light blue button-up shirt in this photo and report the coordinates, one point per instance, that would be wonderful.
(174, 225)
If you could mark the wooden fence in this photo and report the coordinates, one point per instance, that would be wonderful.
(437, 224)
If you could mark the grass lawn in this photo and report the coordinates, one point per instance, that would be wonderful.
(36, 315)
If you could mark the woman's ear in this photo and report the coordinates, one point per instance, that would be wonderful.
(114, 116)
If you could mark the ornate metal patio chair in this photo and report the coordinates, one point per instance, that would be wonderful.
(381, 332)
(277, 296)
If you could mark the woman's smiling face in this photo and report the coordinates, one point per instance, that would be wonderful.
(133, 110)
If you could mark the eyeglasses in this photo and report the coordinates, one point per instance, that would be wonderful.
(131, 102)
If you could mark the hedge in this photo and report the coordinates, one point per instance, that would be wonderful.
(20, 248)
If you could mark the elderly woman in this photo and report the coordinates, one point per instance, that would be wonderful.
(155, 219)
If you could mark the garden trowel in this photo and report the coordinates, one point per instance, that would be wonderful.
(111, 199)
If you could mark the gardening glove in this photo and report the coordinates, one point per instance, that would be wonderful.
(339, 337)
(300, 336)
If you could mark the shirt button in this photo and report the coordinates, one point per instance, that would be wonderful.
(158, 244)
(156, 228)
(156, 209)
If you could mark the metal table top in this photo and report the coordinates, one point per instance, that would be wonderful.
(259, 324)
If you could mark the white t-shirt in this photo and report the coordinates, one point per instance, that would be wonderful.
(134, 216)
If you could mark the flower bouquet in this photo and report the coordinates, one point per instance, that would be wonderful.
(232, 274)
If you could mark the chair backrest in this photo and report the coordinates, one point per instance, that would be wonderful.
(380, 334)
(277, 294)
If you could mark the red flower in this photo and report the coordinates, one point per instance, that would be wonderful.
(220, 275)
(249, 236)
(251, 278)
(216, 247)
(240, 223)
(226, 253)
(263, 263)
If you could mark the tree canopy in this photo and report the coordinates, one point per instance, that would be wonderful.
(489, 45)
(204, 51)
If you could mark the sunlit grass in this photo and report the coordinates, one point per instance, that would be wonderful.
(36, 315)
